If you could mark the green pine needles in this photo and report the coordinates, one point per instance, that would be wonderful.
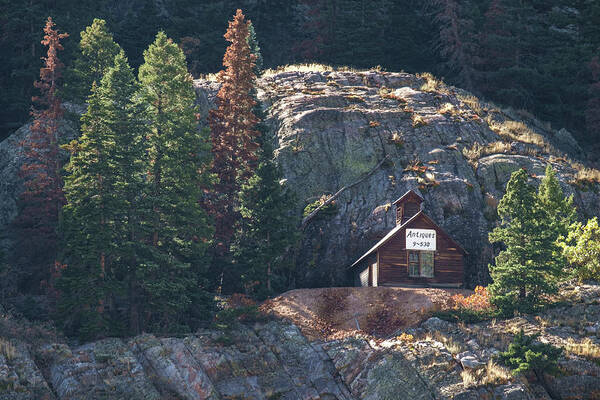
(135, 233)
(525, 355)
(530, 266)
(97, 51)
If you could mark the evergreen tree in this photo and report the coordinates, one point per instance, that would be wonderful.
(592, 109)
(527, 268)
(100, 221)
(178, 174)
(582, 249)
(35, 228)
(560, 210)
(255, 49)
(457, 41)
(525, 354)
(268, 229)
(97, 51)
(233, 134)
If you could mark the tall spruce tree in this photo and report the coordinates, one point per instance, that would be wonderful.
(233, 134)
(560, 209)
(268, 229)
(178, 173)
(97, 51)
(527, 268)
(255, 49)
(105, 176)
(35, 227)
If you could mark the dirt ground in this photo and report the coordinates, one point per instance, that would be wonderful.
(332, 313)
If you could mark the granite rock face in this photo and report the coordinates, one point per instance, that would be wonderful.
(264, 361)
(332, 127)
(274, 360)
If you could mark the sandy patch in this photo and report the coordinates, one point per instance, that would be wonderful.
(331, 313)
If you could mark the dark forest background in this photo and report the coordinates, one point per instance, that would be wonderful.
(537, 55)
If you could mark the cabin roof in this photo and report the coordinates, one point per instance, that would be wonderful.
(410, 194)
(397, 228)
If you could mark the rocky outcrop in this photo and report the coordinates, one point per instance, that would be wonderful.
(275, 360)
(265, 361)
(331, 127)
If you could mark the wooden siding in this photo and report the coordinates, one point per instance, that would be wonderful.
(393, 260)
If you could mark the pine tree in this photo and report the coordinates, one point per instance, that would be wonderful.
(592, 110)
(178, 174)
(233, 134)
(97, 51)
(35, 228)
(100, 221)
(560, 209)
(458, 41)
(255, 49)
(527, 269)
(268, 229)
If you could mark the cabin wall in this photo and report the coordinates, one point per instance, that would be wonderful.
(393, 259)
(364, 272)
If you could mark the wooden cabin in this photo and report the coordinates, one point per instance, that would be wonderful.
(416, 252)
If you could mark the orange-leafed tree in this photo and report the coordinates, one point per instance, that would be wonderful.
(233, 133)
(42, 199)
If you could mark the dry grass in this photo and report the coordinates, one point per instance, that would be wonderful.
(209, 77)
(475, 152)
(313, 92)
(449, 343)
(472, 102)
(448, 109)
(586, 348)
(354, 98)
(492, 374)
(310, 67)
(7, 349)
(515, 130)
(496, 374)
(469, 378)
(397, 140)
(432, 84)
(586, 175)
(418, 121)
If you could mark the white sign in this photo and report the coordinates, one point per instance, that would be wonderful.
(420, 239)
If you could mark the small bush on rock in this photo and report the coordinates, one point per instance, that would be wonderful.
(582, 249)
(525, 355)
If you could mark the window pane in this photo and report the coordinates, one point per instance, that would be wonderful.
(413, 256)
(413, 263)
(427, 258)
(413, 270)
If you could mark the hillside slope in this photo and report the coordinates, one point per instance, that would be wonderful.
(332, 127)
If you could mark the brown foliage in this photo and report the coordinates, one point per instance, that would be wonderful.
(42, 199)
(232, 126)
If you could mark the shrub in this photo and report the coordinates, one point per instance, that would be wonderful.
(329, 210)
(581, 248)
(478, 301)
(418, 121)
(525, 355)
